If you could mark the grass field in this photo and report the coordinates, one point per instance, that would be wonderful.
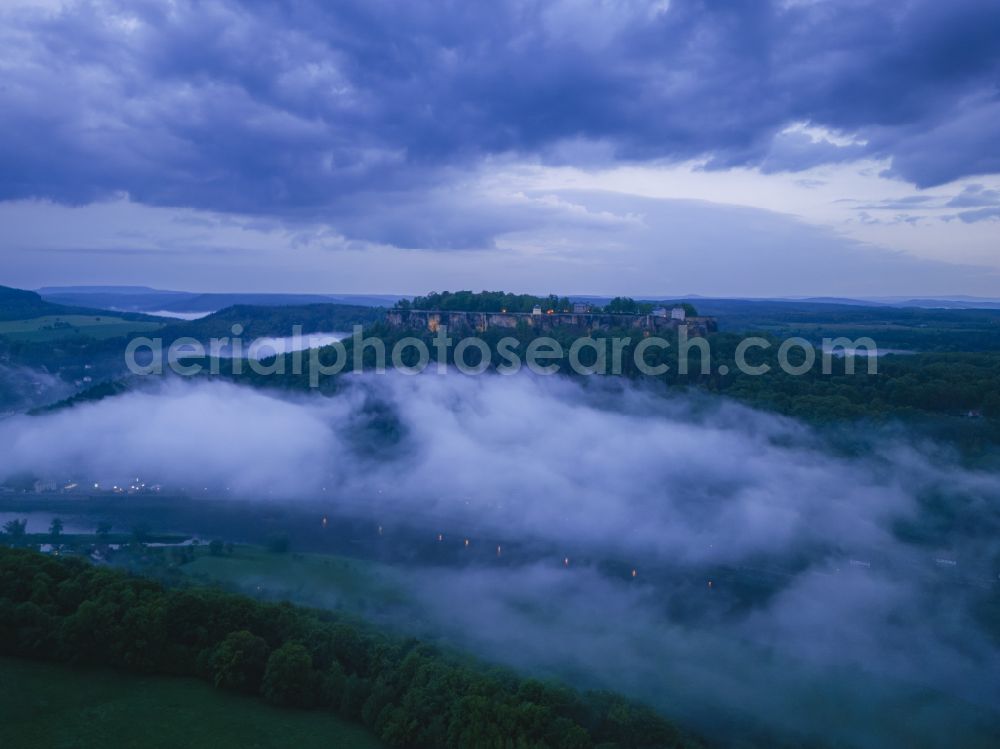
(57, 707)
(312, 579)
(55, 327)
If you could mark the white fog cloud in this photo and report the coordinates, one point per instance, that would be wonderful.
(683, 488)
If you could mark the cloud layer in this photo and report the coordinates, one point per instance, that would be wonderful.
(823, 593)
(310, 109)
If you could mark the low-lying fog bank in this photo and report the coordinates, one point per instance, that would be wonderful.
(269, 346)
(853, 591)
(23, 388)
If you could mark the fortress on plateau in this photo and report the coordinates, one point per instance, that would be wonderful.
(581, 318)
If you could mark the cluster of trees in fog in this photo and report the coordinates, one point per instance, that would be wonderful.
(407, 693)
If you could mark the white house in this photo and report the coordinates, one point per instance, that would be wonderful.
(678, 313)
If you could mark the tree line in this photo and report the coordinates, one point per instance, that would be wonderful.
(485, 301)
(501, 301)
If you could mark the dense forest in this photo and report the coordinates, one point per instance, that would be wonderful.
(915, 329)
(408, 693)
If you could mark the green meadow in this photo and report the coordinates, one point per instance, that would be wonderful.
(59, 707)
(311, 579)
(55, 327)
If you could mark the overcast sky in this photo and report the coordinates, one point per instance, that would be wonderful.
(590, 146)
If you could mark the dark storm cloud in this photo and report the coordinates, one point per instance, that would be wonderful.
(326, 110)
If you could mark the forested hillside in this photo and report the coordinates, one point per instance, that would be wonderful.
(407, 693)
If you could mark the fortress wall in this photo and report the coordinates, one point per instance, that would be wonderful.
(480, 321)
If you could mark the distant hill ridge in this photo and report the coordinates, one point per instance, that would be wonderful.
(19, 304)
(150, 300)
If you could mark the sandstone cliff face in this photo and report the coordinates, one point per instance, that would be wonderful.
(584, 322)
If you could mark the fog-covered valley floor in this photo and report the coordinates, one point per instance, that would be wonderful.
(743, 573)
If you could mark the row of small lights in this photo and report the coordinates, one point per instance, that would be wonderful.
(466, 542)
(440, 536)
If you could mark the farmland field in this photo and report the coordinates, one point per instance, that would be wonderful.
(46, 705)
(55, 327)
(312, 579)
